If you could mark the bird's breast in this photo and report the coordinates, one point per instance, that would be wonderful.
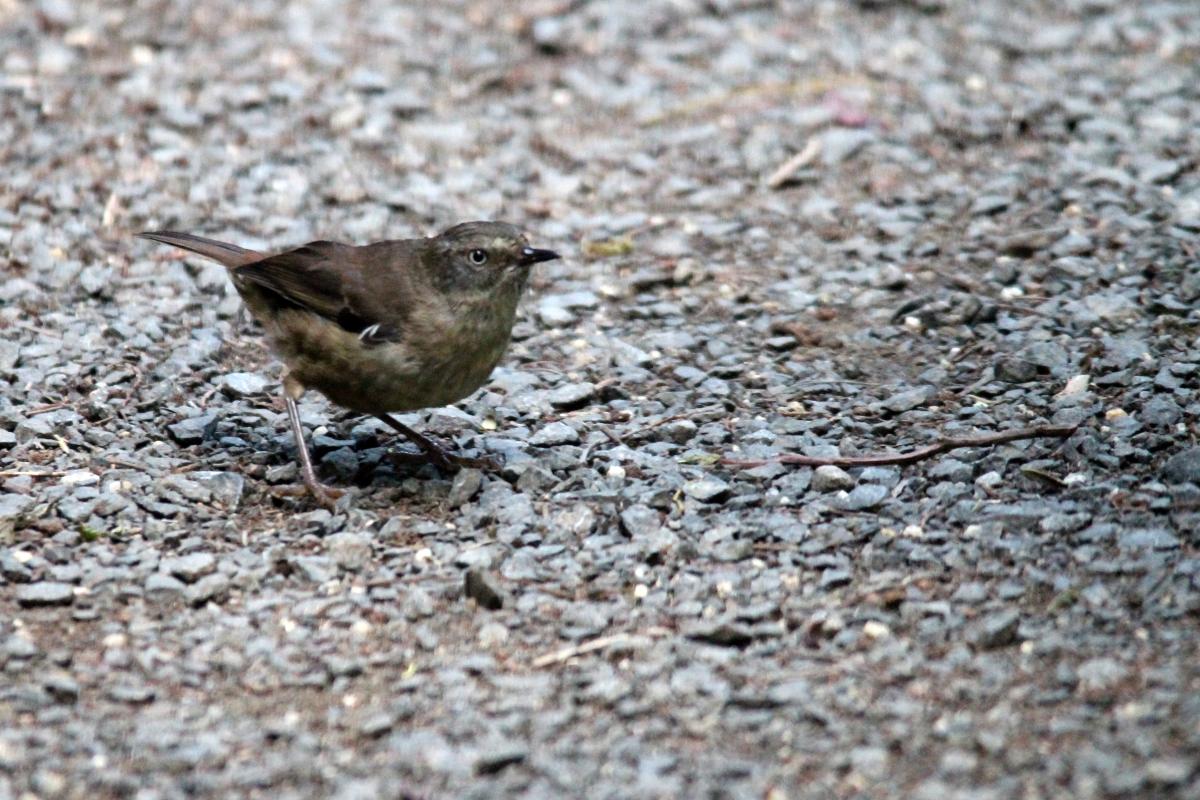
(439, 358)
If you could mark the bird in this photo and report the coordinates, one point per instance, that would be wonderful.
(392, 326)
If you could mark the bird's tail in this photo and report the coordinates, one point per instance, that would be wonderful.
(222, 252)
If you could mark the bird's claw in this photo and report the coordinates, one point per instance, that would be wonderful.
(448, 461)
(325, 496)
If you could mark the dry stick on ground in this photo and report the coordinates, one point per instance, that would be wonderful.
(911, 457)
(567, 653)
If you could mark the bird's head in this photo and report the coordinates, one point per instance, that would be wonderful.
(481, 257)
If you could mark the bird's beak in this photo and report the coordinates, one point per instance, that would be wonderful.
(531, 255)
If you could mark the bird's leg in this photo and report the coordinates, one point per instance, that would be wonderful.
(325, 495)
(439, 456)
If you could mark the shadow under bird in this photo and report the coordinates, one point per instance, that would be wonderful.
(386, 327)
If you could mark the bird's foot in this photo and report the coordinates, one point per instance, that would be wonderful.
(446, 460)
(438, 454)
(325, 496)
(452, 461)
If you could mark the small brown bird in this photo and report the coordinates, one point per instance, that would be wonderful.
(384, 327)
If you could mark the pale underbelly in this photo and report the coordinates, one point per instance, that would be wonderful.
(388, 377)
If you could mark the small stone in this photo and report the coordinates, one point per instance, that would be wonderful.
(13, 508)
(480, 587)
(466, 485)
(224, 488)
(492, 634)
(350, 551)
(781, 343)
(79, 477)
(951, 469)
(48, 783)
(13, 570)
(133, 693)
(1161, 412)
(828, 478)
(1073, 244)
(573, 396)
(160, 587)
(1099, 678)
(707, 490)
(1183, 467)
(193, 430)
(724, 634)
(832, 578)
(342, 463)
(212, 587)
(45, 593)
(1077, 385)
(841, 144)
(61, 686)
(641, 522)
(971, 593)
(547, 33)
(908, 400)
(19, 647)
(997, 630)
(874, 629)
(474, 558)
(554, 434)
(989, 204)
(863, 497)
(318, 569)
(680, 431)
(1148, 539)
(871, 762)
(243, 384)
(189, 568)
(556, 310)
(493, 760)
(1012, 369)
(282, 473)
(1169, 770)
(418, 604)
(378, 724)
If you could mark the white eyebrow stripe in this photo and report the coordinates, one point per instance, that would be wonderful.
(368, 332)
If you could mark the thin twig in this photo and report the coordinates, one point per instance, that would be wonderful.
(912, 456)
(789, 168)
(567, 653)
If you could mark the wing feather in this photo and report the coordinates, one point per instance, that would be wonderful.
(326, 278)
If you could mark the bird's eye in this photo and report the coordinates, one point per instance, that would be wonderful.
(478, 257)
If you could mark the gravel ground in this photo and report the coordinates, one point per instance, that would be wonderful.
(789, 227)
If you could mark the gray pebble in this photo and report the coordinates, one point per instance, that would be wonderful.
(908, 400)
(995, 630)
(863, 497)
(317, 569)
(1183, 466)
(45, 593)
(707, 490)
(554, 434)
(466, 485)
(350, 551)
(572, 396)
(189, 568)
(828, 478)
(210, 588)
(193, 430)
(243, 384)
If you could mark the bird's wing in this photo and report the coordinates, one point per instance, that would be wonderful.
(326, 279)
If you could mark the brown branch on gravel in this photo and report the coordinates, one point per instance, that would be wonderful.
(911, 457)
